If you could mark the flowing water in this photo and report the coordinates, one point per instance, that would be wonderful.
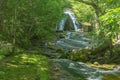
(72, 16)
(77, 40)
(76, 25)
(84, 71)
(61, 25)
(73, 40)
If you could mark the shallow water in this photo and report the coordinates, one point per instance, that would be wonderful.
(86, 72)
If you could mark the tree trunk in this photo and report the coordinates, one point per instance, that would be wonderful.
(3, 7)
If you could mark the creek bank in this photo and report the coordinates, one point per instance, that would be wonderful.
(57, 72)
(111, 77)
(67, 57)
(76, 46)
(65, 69)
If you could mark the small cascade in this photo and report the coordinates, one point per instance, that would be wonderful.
(73, 40)
(68, 35)
(72, 16)
(62, 26)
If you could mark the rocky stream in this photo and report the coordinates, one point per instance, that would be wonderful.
(65, 69)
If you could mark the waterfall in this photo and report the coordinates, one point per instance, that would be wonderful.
(72, 16)
(62, 24)
(63, 21)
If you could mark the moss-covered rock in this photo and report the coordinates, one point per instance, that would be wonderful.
(111, 77)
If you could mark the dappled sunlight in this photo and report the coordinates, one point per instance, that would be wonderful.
(27, 59)
(43, 69)
(11, 65)
(24, 67)
(59, 40)
(24, 56)
(102, 66)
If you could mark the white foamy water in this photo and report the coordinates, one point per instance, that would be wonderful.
(72, 16)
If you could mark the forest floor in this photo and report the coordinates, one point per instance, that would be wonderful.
(24, 67)
(34, 66)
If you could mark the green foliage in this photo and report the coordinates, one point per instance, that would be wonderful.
(29, 19)
(108, 4)
(111, 23)
(83, 14)
(5, 49)
(50, 13)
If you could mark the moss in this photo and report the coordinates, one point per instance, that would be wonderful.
(111, 77)
(24, 67)
(102, 66)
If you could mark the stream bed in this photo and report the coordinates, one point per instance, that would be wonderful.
(70, 70)
(65, 69)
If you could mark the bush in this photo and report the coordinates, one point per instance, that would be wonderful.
(5, 49)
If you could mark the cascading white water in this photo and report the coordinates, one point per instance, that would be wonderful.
(72, 16)
(61, 26)
(68, 35)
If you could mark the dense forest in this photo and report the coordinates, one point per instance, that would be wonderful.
(59, 39)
